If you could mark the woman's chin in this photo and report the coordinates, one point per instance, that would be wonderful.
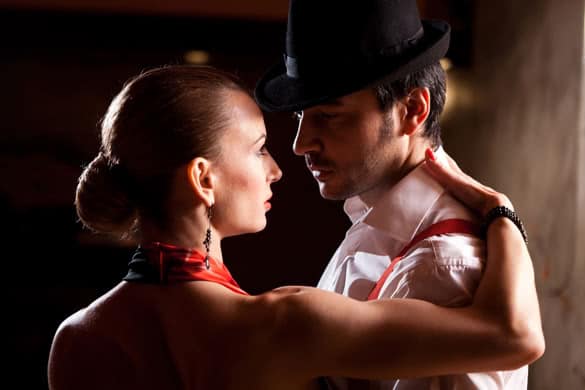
(256, 228)
(261, 226)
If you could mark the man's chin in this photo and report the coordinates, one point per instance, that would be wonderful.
(329, 192)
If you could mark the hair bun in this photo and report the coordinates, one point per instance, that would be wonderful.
(102, 201)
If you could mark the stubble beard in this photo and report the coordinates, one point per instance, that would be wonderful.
(360, 181)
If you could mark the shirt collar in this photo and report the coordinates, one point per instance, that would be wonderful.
(355, 209)
(401, 210)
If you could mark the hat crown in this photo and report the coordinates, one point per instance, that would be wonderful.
(320, 29)
(336, 47)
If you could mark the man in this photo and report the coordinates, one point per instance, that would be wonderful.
(365, 80)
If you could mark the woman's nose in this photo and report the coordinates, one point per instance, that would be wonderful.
(275, 174)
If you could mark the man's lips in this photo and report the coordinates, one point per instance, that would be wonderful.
(319, 169)
(320, 172)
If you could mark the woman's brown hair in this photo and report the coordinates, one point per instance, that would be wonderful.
(160, 120)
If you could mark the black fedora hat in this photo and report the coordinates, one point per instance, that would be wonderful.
(334, 48)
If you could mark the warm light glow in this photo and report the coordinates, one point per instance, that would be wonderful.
(447, 64)
(198, 57)
(459, 94)
(451, 96)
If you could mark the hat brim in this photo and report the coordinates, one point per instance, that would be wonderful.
(276, 91)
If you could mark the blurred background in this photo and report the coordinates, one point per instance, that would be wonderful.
(515, 119)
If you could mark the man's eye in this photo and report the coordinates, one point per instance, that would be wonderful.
(327, 115)
(297, 115)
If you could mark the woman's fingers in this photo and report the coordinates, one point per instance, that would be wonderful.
(475, 195)
(454, 165)
(455, 182)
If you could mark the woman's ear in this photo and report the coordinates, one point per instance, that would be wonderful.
(202, 180)
(418, 106)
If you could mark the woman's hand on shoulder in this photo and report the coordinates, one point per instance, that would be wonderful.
(469, 191)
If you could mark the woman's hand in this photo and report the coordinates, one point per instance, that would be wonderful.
(469, 191)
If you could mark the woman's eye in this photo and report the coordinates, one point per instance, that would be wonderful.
(263, 150)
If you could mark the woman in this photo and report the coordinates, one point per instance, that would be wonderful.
(183, 164)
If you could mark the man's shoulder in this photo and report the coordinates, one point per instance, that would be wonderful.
(448, 207)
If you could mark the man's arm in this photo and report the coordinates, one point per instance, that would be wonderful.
(444, 270)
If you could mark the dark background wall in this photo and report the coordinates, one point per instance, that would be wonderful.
(61, 62)
(58, 72)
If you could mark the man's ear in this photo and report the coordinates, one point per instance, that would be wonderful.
(417, 106)
(202, 180)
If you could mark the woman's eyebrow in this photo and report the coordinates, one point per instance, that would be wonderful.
(263, 136)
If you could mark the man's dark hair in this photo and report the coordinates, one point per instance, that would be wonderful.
(432, 77)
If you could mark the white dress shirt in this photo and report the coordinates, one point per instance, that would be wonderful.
(443, 269)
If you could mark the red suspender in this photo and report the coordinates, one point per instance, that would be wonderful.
(443, 227)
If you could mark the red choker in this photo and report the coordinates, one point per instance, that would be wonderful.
(162, 263)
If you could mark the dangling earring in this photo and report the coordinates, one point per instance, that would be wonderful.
(207, 241)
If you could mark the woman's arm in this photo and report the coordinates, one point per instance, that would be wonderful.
(507, 291)
(323, 333)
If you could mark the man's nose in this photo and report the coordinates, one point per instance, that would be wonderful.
(306, 140)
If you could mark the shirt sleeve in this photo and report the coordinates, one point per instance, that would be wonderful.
(444, 270)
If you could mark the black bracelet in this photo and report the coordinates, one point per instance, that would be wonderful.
(503, 211)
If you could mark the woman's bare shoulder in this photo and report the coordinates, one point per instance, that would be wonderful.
(79, 346)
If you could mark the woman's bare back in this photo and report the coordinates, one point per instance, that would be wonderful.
(193, 335)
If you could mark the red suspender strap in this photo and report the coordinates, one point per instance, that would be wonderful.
(443, 227)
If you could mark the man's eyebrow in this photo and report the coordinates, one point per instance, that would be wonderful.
(335, 102)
